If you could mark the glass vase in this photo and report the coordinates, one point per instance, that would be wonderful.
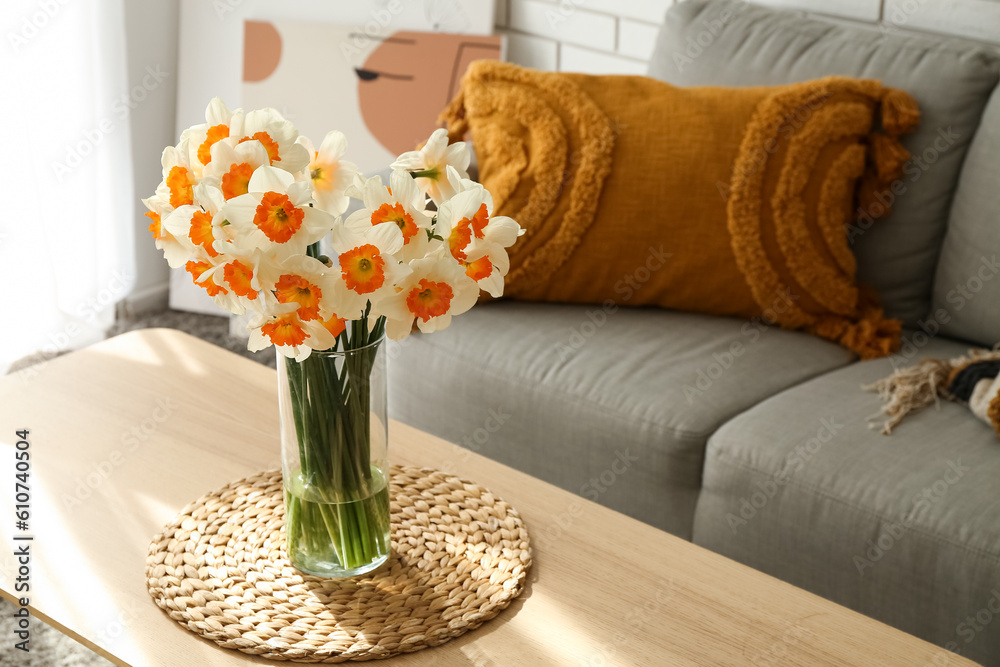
(334, 459)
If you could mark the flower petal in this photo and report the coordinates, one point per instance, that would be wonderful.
(270, 179)
(296, 158)
(333, 148)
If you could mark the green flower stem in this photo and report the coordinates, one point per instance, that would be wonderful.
(337, 511)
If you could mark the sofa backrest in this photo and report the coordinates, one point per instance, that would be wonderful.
(967, 285)
(728, 43)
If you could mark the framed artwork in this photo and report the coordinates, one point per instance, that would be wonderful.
(384, 93)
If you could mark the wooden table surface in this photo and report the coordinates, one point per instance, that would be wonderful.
(125, 433)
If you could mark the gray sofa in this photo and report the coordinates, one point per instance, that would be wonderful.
(750, 440)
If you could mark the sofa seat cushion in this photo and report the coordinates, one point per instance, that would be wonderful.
(615, 406)
(904, 528)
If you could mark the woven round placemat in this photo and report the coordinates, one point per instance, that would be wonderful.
(459, 556)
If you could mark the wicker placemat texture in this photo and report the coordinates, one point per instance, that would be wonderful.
(459, 556)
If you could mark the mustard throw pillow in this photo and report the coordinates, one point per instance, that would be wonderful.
(728, 201)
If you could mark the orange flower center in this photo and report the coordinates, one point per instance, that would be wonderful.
(215, 133)
(277, 217)
(201, 232)
(395, 213)
(296, 289)
(239, 277)
(180, 185)
(479, 221)
(270, 145)
(459, 239)
(479, 269)
(285, 330)
(335, 325)
(236, 181)
(363, 268)
(155, 225)
(198, 268)
(429, 299)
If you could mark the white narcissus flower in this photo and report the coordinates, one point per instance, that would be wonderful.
(319, 289)
(175, 252)
(236, 270)
(194, 222)
(275, 215)
(367, 263)
(178, 179)
(429, 165)
(477, 240)
(461, 182)
(203, 274)
(196, 227)
(292, 336)
(436, 290)
(237, 276)
(201, 138)
(402, 205)
(329, 172)
(277, 135)
(232, 165)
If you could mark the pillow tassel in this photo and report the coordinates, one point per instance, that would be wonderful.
(900, 112)
(899, 115)
(870, 337)
(887, 159)
(890, 157)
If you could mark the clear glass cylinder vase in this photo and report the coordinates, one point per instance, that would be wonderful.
(334, 445)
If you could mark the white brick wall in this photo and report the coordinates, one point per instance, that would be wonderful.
(617, 36)
(979, 19)
(596, 36)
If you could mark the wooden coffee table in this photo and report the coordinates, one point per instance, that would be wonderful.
(125, 433)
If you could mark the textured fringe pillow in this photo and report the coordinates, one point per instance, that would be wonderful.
(728, 201)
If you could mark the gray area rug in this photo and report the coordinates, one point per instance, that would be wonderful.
(48, 646)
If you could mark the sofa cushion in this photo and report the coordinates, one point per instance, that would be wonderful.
(967, 287)
(735, 44)
(553, 163)
(615, 406)
(904, 528)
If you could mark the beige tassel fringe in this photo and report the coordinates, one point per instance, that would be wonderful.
(912, 389)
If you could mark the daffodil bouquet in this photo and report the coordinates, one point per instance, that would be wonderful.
(244, 204)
